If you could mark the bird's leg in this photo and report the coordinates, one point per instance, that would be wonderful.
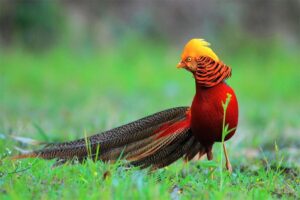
(208, 150)
(210, 157)
(228, 164)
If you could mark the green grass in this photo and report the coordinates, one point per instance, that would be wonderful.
(61, 94)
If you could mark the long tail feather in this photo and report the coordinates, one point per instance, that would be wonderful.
(156, 140)
(26, 155)
(162, 153)
(196, 148)
(180, 152)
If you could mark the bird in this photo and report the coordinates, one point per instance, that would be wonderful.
(160, 139)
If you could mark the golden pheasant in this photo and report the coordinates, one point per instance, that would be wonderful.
(164, 137)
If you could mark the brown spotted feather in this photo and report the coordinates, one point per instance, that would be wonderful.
(137, 142)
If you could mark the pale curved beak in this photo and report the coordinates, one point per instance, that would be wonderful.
(181, 64)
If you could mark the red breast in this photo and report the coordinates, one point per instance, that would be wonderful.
(207, 113)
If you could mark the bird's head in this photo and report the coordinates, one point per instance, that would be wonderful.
(194, 49)
(199, 59)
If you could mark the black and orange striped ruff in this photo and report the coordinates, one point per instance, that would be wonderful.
(210, 72)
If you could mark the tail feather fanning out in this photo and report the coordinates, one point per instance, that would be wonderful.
(156, 140)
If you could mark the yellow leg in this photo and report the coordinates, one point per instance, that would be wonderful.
(210, 157)
(212, 170)
(228, 165)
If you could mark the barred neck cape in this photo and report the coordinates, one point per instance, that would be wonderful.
(210, 72)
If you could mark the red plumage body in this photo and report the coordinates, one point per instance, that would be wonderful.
(207, 113)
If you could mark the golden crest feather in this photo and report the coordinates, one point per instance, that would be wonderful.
(198, 47)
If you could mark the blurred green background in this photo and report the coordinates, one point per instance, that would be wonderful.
(71, 67)
(67, 67)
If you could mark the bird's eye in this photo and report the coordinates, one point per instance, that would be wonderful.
(188, 59)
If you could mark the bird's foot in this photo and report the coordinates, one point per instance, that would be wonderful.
(228, 164)
(229, 167)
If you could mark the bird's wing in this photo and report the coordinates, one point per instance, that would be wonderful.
(156, 140)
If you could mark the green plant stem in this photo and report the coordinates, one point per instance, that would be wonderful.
(224, 133)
